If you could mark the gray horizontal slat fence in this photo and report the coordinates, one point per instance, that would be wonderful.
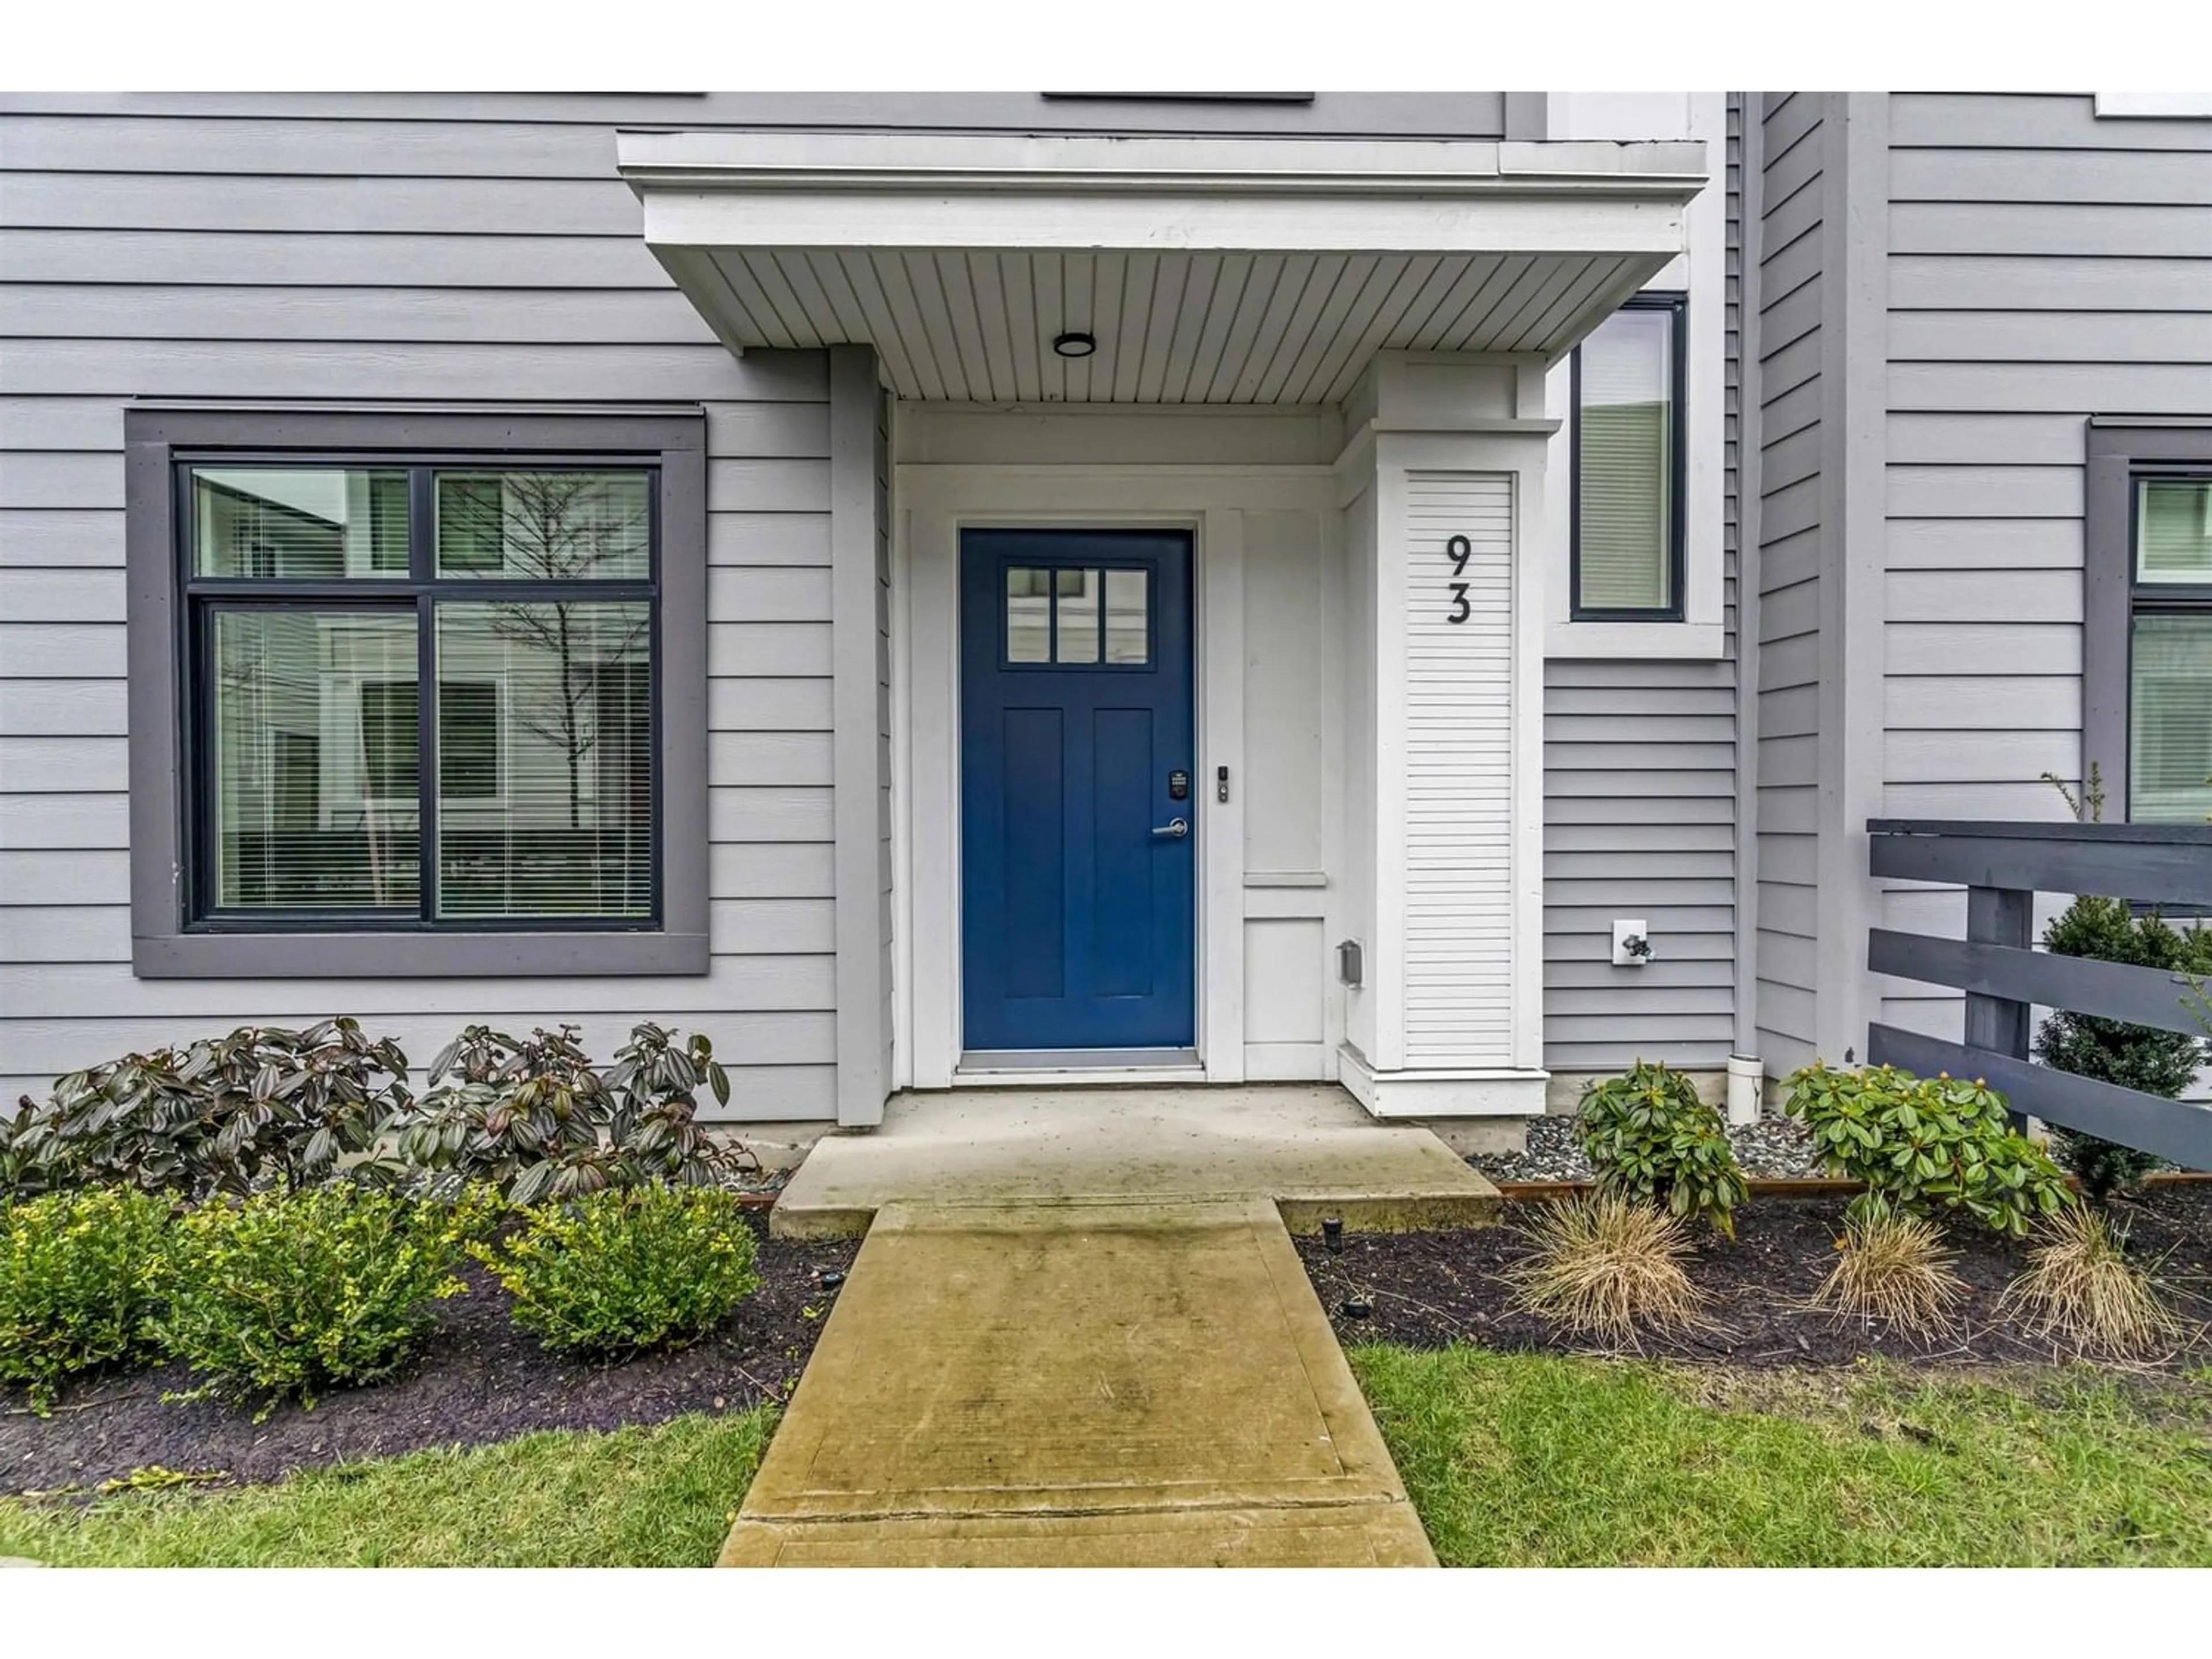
(2002, 866)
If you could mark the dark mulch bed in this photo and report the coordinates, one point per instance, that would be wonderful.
(1426, 1290)
(476, 1379)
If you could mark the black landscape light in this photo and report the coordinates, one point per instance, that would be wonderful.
(1332, 1234)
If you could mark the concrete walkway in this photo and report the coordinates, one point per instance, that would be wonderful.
(1107, 1381)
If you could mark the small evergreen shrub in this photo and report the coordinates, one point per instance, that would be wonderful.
(262, 1105)
(2142, 1057)
(78, 1276)
(287, 1294)
(1649, 1136)
(619, 1271)
(537, 1119)
(1925, 1144)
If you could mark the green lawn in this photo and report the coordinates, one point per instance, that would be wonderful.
(1512, 1458)
(638, 1498)
(1515, 1460)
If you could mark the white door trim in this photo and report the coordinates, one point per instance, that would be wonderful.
(934, 503)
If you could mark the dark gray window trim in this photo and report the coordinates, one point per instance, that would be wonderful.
(2117, 451)
(160, 948)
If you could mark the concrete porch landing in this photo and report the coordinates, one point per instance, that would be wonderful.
(1097, 1385)
(1309, 1148)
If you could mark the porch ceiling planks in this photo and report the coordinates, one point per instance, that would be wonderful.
(977, 326)
(1207, 271)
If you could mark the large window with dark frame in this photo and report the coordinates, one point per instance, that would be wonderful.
(420, 693)
(2169, 693)
(1628, 531)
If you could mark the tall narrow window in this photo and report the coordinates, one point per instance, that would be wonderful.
(2170, 650)
(1628, 465)
(326, 789)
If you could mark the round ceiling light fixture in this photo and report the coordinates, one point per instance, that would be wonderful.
(1073, 344)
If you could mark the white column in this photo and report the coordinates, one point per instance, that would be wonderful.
(1446, 475)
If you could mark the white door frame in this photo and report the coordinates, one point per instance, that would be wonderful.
(933, 505)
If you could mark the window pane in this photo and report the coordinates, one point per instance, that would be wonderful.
(298, 524)
(1077, 640)
(2174, 530)
(1029, 616)
(545, 760)
(1625, 474)
(1128, 618)
(545, 526)
(314, 759)
(2170, 735)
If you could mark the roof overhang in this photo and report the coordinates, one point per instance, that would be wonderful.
(1208, 270)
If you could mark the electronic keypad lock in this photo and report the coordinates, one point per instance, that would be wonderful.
(1178, 786)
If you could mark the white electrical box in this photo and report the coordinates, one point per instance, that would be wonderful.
(1632, 942)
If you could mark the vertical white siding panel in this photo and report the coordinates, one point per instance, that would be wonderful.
(1459, 784)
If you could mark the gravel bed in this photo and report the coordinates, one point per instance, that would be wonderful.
(1773, 1147)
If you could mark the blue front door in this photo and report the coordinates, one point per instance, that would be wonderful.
(1079, 808)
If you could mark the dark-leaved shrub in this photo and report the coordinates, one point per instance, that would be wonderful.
(229, 1114)
(287, 1294)
(2143, 1057)
(1923, 1145)
(79, 1278)
(537, 1119)
(617, 1271)
(1648, 1136)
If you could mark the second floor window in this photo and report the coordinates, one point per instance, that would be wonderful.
(1628, 465)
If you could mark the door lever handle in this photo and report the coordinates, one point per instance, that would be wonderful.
(1173, 830)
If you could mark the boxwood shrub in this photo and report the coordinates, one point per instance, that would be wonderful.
(79, 1274)
(286, 1294)
(625, 1269)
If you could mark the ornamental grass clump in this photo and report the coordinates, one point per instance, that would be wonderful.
(1608, 1267)
(1648, 1136)
(1926, 1146)
(78, 1284)
(2080, 1288)
(1896, 1269)
(616, 1272)
(286, 1295)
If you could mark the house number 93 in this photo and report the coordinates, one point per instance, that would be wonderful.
(1458, 550)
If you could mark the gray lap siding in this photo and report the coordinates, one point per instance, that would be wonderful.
(427, 273)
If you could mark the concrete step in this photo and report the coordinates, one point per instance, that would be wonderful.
(1310, 1148)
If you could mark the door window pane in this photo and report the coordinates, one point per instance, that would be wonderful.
(1625, 463)
(2174, 530)
(315, 801)
(545, 768)
(545, 526)
(298, 524)
(1128, 617)
(1076, 628)
(2170, 740)
(1028, 615)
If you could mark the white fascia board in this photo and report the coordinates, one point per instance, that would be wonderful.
(1189, 220)
(1024, 161)
(916, 191)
